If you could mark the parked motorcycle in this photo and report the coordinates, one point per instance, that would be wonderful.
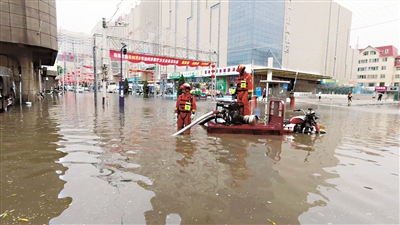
(306, 123)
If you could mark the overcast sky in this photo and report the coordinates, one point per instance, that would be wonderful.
(375, 22)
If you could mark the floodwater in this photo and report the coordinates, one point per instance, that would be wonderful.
(64, 161)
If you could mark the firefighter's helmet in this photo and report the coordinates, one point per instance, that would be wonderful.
(186, 86)
(240, 68)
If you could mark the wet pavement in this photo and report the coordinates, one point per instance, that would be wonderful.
(64, 161)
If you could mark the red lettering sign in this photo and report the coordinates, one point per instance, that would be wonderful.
(381, 89)
(161, 60)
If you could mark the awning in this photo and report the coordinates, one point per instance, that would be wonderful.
(289, 74)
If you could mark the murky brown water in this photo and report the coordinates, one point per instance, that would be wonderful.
(65, 162)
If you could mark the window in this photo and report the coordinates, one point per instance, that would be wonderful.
(397, 76)
(371, 84)
(397, 68)
(373, 60)
(383, 68)
(386, 51)
(373, 68)
(382, 76)
(373, 76)
(384, 59)
(362, 77)
(362, 69)
(372, 52)
(396, 84)
(362, 61)
(381, 84)
(365, 53)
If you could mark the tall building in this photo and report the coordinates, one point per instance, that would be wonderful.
(28, 40)
(76, 42)
(379, 69)
(249, 32)
(75, 55)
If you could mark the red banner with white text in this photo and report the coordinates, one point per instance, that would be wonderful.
(152, 59)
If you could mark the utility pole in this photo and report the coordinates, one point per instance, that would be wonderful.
(121, 82)
(103, 60)
(94, 71)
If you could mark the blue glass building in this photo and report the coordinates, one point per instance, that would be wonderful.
(256, 28)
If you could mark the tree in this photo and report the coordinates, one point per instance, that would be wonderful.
(59, 70)
(126, 86)
(180, 82)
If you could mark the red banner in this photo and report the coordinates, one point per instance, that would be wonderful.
(152, 59)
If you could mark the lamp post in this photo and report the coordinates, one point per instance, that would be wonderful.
(121, 83)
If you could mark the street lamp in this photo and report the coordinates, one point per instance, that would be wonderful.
(121, 83)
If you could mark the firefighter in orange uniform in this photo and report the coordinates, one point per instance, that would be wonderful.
(185, 107)
(244, 88)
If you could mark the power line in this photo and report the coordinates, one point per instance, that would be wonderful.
(375, 24)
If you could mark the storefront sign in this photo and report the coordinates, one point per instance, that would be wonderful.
(381, 89)
(393, 88)
(174, 76)
(151, 59)
(328, 81)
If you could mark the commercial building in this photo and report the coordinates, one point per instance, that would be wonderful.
(379, 69)
(249, 32)
(28, 41)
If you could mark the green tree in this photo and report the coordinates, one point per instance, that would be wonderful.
(180, 82)
(59, 70)
(126, 86)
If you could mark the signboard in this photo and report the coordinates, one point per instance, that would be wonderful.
(381, 89)
(174, 76)
(393, 88)
(328, 81)
(152, 59)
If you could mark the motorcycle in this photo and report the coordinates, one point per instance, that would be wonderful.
(306, 124)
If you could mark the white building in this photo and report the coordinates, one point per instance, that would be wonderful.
(75, 55)
(379, 68)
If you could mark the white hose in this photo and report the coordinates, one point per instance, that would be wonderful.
(194, 123)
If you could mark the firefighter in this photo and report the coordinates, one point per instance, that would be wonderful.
(244, 88)
(185, 109)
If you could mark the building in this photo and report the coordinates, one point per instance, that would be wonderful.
(28, 41)
(75, 56)
(249, 32)
(379, 69)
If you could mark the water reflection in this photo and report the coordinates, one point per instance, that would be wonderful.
(110, 166)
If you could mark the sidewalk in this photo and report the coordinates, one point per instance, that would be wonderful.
(339, 100)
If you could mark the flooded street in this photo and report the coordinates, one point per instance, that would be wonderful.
(63, 161)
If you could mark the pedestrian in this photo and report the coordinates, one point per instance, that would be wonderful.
(186, 107)
(349, 96)
(264, 95)
(319, 96)
(244, 89)
(380, 97)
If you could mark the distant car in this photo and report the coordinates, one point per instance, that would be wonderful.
(7, 88)
(112, 87)
(70, 88)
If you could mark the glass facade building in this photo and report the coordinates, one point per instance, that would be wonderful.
(256, 29)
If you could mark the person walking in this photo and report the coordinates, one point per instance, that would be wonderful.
(264, 95)
(244, 89)
(186, 107)
(380, 97)
(349, 96)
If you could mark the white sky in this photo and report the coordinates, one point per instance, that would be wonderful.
(375, 22)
